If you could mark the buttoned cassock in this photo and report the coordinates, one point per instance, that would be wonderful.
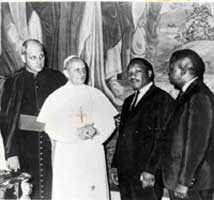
(24, 94)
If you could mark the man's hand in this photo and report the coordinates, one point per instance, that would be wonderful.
(86, 132)
(13, 163)
(117, 120)
(114, 176)
(148, 179)
(180, 191)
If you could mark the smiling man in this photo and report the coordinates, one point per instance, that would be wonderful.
(143, 116)
(27, 147)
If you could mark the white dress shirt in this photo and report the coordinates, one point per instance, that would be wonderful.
(187, 84)
(143, 91)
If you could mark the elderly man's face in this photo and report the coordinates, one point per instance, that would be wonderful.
(34, 58)
(77, 72)
(138, 77)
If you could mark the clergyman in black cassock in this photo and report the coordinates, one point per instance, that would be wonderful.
(23, 95)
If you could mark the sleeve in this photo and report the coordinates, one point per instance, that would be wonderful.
(197, 131)
(162, 113)
(5, 96)
(47, 116)
(103, 117)
(45, 112)
(125, 105)
(56, 121)
(9, 139)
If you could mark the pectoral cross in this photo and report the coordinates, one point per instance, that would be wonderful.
(81, 115)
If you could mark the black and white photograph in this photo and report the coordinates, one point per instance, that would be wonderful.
(107, 100)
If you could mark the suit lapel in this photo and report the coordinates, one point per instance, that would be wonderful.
(187, 93)
(126, 108)
(190, 90)
(143, 100)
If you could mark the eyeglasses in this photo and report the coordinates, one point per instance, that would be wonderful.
(34, 58)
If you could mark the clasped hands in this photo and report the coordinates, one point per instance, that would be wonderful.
(180, 191)
(117, 120)
(13, 163)
(147, 179)
(87, 132)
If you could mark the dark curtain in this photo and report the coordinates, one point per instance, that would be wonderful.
(49, 13)
(69, 26)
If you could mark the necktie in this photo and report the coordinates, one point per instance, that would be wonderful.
(179, 96)
(134, 100)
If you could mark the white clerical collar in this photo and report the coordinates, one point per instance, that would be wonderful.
(143, 91)
(187, 84)
(69, 84)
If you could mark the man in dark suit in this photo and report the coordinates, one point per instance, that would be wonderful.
(188, 157)
(142, 118)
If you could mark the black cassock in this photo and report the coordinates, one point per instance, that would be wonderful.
(24, 94)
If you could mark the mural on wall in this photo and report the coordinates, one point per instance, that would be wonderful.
(180, 26)
(107, 35)
(185, 26)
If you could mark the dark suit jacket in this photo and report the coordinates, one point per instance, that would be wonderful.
(189, 150)
(140, 130)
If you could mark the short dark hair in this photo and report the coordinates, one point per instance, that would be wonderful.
(143, 64)
(198, 65)
(26, 42)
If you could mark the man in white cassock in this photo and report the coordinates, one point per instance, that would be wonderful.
(78, 119)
